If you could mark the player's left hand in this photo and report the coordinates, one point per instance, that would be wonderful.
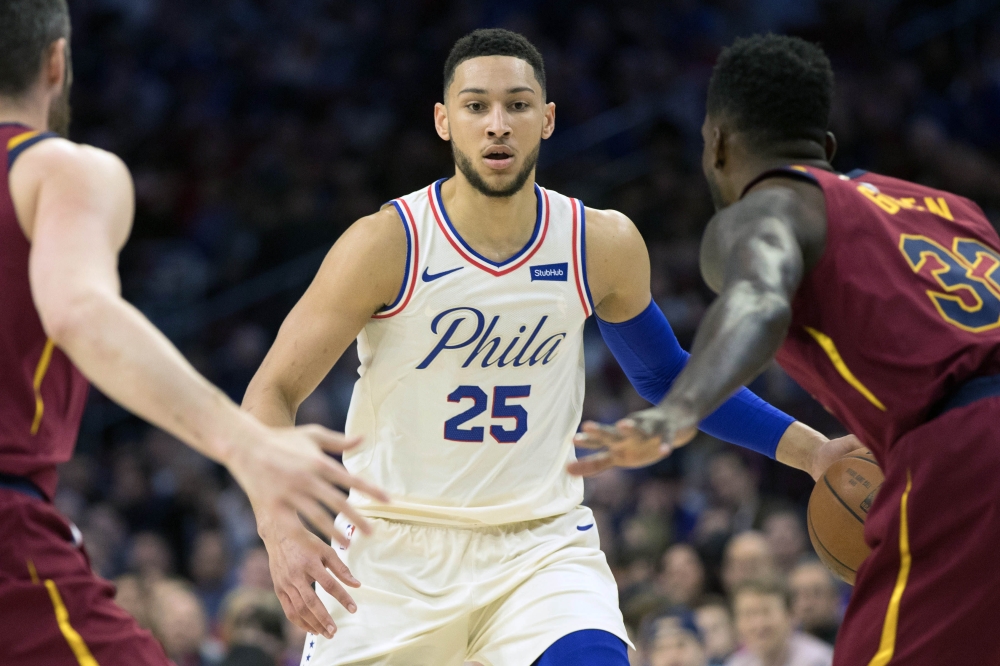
(641, 439)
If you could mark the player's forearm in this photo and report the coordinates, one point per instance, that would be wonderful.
(267, 402)
(135, 365)
(740, 334)
(798, 447)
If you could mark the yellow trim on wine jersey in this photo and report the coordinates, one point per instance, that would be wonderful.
(40, 370)
(831, 350)
(72, 636)
(21, 138)
(887, 645)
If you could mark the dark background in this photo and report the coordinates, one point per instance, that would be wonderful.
(257, 130)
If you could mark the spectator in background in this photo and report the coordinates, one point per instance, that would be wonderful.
(150, 557)
(674, 640)
(762, 608)
(178, 620)
(715, 623)
(748, 556)
(252, 628)
(815, 600)
(682, 581)
(734, 487)
(786, 537)
(255, 570)
(209, 567)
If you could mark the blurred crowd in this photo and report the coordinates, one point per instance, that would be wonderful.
(257, 130)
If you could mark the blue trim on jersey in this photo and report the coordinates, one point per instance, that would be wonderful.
(409, 255)
(589, 647)
(856, 173)
(14, 154)
(583, 254)
(517, 255)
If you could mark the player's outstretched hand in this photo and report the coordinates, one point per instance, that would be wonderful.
(298, 558)
(641, 439)
(289, 469)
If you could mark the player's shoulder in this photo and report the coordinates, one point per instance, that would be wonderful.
(62, 156)
(381, 228)
(611, 233)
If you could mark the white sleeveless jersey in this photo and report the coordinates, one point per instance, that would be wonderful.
(472, 381)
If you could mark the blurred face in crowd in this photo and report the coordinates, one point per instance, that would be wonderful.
(177, 619)
(495, 117)
(716, 625)
(677, 648)
(786, 538)
(731, 481)
(763, 622)
(683, 574)
(815, 602)
(747, 556)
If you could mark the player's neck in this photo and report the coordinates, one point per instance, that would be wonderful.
(26, 111)
(495, 227)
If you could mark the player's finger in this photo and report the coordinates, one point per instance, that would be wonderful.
(333, 562)
(591, 465)
(293, 616)
(320, 518)
(601, 429)
(309, 606)
(335, 473)
(330, 441)
(336, 590)
(585, 440)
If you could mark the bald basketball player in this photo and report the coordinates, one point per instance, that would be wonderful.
(65, 212)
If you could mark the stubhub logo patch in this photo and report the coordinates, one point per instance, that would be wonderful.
(553, 272)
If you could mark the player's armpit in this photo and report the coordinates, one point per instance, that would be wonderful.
(617, 266)
(360, 275)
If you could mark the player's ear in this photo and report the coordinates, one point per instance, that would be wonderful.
(441, 121)
(831, 146)
(55, 71)
(719, 147)
(550, 120)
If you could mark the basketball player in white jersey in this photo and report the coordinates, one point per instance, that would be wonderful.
(468, 300)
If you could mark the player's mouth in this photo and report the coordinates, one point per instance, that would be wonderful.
(498, 157)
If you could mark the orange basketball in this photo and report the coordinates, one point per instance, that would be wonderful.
(838, 507)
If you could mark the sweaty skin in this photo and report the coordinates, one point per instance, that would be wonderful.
(75, 205)
(493, 106)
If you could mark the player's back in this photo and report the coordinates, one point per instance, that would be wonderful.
(42, 395)
(902, 308)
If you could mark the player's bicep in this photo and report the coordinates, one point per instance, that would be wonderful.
(361, 274)
(617, 266)
(81, 216)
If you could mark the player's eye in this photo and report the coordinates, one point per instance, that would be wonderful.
(520, 106)
(475, 106)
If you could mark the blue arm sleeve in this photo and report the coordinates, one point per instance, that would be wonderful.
(648, 352)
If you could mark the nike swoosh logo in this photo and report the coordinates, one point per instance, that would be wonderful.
(584, 528)
(427, 277)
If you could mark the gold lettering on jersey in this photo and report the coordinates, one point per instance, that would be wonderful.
(890, 204)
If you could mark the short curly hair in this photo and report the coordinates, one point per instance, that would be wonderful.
(493, 42)
(774, 88)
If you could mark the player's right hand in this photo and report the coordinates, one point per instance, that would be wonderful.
(288, 469)
(298, 558)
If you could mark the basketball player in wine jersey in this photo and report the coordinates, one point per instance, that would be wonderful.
(468, 299)
(65, 211)
(882, 298)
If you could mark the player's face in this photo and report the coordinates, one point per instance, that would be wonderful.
(495, 117)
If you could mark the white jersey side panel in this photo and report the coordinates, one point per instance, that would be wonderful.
(472, 382)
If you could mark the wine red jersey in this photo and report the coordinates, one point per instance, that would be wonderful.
(902, 308)
(42, 394)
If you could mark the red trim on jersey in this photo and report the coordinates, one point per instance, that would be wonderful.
(412, 277)
(577, 270)
(472, 260)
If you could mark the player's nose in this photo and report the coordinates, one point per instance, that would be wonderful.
(499, 124)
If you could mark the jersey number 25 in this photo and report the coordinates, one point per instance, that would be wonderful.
(454, 431)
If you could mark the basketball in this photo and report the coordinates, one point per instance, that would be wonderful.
(838, 507)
